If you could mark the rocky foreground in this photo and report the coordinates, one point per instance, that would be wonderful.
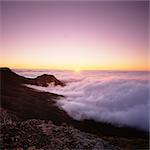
(44, 135)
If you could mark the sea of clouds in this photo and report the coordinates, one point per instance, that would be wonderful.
(120, 98)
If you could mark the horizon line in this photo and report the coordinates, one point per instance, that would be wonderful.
(16, 68)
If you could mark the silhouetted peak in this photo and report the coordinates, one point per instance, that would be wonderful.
(46, 76)
(7, 72)
(5, 69)
(43, 80)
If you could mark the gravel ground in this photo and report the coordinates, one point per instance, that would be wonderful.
(43, 135)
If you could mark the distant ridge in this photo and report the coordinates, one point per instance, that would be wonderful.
(42, 80)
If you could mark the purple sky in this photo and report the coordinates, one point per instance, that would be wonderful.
(75, 35)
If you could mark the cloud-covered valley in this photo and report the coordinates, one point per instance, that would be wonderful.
(120, 98)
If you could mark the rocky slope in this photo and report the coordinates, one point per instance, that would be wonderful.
(27, 103)
(43, 134)
(40, 134)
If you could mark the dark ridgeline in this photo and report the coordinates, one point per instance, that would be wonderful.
(26, 103)
(43, 80)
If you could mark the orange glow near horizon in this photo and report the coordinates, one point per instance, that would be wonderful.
(76, 68)
(75, 36)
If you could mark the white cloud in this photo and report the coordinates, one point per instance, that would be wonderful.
(118, 98)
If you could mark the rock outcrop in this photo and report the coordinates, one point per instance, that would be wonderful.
(45, 79)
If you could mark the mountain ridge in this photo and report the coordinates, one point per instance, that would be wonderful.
(42, 80)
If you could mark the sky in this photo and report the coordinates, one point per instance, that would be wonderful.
(74, 35)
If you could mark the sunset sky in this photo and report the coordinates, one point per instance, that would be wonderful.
(75, 35)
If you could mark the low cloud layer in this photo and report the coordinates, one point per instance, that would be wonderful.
(120, 98)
